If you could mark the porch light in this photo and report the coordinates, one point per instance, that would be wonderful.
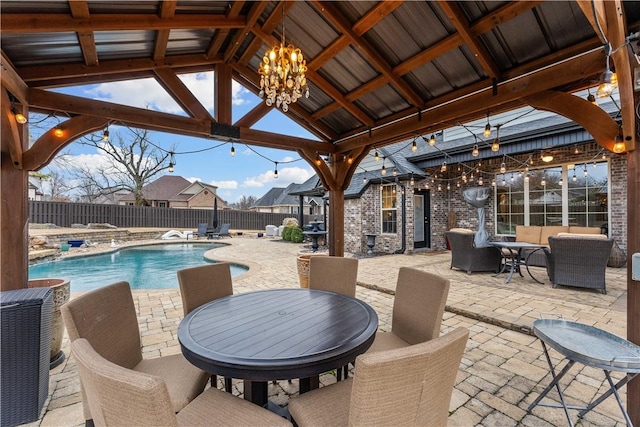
(546, 157)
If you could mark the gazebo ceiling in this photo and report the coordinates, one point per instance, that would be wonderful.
(378, 71)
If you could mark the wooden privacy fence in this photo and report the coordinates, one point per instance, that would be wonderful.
(65, 214)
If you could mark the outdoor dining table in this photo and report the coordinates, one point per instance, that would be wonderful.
(277, 334)
(516, 260)
(590, 346)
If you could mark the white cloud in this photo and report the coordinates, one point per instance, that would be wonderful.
(226, 185)
(286, 176)
(193, 179)
(147, 93)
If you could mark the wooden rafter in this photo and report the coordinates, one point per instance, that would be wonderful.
(80, 9)
(268, 27)
(221, 35)
(377, 61)
(456, 16)
(167, 10)
(252, 18)
(13, 23)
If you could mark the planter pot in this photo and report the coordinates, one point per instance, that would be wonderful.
(303, 268)
(61, 293)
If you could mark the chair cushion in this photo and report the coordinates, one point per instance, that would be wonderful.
(387, 341)
(582, 236)
(326, 406)
(462, 230)
(551, 230)
(584, 230)
(215, 407)
(184, 381)
(529, 233)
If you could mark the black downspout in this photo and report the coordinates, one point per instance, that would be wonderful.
(301, 213)
(404, 221)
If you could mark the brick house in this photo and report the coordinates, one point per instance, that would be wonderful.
(419, 196)
(291, 200)
(171, 191)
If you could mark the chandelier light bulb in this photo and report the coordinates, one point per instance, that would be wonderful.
(282, 75)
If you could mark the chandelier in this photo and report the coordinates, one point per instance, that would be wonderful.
(282, 75)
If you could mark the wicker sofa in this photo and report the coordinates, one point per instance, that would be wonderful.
(465, 256)
(578, 260)
(540, 235)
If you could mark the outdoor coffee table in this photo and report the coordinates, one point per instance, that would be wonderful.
(515, 261)
(592, 347)
(275, 335)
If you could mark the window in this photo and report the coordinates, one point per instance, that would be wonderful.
(162, 204)
(389, 214)
(563, 195)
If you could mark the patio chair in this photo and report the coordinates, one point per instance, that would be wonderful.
(466, 257)
(425, 375)
(106, 317)
(578, 261)
(418, 307)
(119, 396)
(222, 232)
(202, 231)
(334, 274)
(202, 284)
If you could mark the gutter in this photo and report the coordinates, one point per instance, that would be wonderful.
(404, 221)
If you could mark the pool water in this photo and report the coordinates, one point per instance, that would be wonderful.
(144, 267)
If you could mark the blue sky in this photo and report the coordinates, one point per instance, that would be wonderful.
(249, 173)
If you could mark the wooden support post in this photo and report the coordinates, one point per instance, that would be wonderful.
(336, 222)
(14, 212)
(633, 286)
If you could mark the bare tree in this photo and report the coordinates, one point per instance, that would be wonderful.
(131, 164)
(245, 202)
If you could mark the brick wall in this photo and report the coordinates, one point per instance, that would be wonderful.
(448, 208)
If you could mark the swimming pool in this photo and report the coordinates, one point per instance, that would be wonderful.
(144, 267)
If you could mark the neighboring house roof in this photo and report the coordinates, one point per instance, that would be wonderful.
(34, 183)
(173, 188)
(289, 196)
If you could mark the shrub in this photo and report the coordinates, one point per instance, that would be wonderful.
(286, 233)
(296, 235)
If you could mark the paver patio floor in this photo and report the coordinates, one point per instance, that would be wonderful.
(503, 369)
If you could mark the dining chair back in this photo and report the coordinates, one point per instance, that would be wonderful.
(334, 274)
(425, 376)
(202, 284)
(418, 305)
(106, 318)
(119, 396)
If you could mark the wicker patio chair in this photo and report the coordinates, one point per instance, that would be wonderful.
(202, 284)
(106, 317)
(578, 261)
(425, 375)
(465, 256)
(418, 307)
(334, 274)
(119, 396)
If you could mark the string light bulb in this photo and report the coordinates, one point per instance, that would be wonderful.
(383, 171)
(414, 146)
(496, 142)
(58, 131)
(412, 182)
(318, 160)
(543, 182)
(20, 118)
(349, 159)
(574, 178)
(377, 157)
(105, 135)
(475, 152)
(487, 128)
(619, 145)
(443, 168)
(608, 79)
(275, 172)
(480, 181)
(432, 140)
(233, 150)
(503, 167)
(172, 162)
